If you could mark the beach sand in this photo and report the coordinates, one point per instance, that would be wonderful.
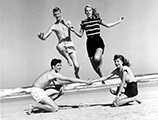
(87, 105)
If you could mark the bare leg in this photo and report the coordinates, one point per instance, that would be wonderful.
(96, 62)
(114, 90)
(53, 94)
(57, 96)
(74, 59)
(63, 52)
(47, 104)
(51, 91)
(124, 100)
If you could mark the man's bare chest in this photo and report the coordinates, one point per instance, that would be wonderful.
(60, 28)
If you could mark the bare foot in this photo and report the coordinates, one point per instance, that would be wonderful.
(30, 109)
(69, 62)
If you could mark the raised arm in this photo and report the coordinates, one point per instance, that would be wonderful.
(108, 25)
(43, 36)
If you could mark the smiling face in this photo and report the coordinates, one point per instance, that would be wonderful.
(118, 63)
(88, 11)
(57, 15)
(57, 67)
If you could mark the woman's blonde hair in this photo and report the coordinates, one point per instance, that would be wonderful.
(95, 14)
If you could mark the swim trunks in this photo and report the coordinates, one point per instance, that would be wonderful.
(37, 94)
(68, 45)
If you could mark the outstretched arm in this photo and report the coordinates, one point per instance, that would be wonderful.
(81, 32)
(108, 25)
(103, 78)
(43, 36)
(68, 80)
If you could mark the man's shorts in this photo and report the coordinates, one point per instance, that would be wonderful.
(68, 45)
(37, 94)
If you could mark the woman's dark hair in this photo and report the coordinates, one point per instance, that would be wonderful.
(55, 61)
(123, 59)
(95, 14)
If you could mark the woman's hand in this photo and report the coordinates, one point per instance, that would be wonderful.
(121, 18)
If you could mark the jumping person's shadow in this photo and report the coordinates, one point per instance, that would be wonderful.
(62, 107)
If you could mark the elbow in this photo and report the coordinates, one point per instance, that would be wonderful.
(79, 36)
(108, 26)
(43, 39)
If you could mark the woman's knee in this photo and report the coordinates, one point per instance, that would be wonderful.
(116, 103)
(97, 58)
(113, 91)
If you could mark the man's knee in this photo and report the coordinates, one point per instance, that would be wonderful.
(54, 108)
(60, 47)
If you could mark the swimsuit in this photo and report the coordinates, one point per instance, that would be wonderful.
(68, 45)
(94, 41)
(131, 89)
(37, 94)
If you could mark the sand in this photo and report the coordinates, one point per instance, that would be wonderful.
(88, 105)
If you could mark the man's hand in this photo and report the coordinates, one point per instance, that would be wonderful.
(41, 35)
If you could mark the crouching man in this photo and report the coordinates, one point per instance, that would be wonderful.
(45, 97)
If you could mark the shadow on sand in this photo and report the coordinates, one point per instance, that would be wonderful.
(64, 107)
(61, 107)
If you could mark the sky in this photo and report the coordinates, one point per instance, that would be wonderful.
(23, 57)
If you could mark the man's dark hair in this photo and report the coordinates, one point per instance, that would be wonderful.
(55, 61)
(56, 9)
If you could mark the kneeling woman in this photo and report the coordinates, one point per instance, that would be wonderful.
(127, 91)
